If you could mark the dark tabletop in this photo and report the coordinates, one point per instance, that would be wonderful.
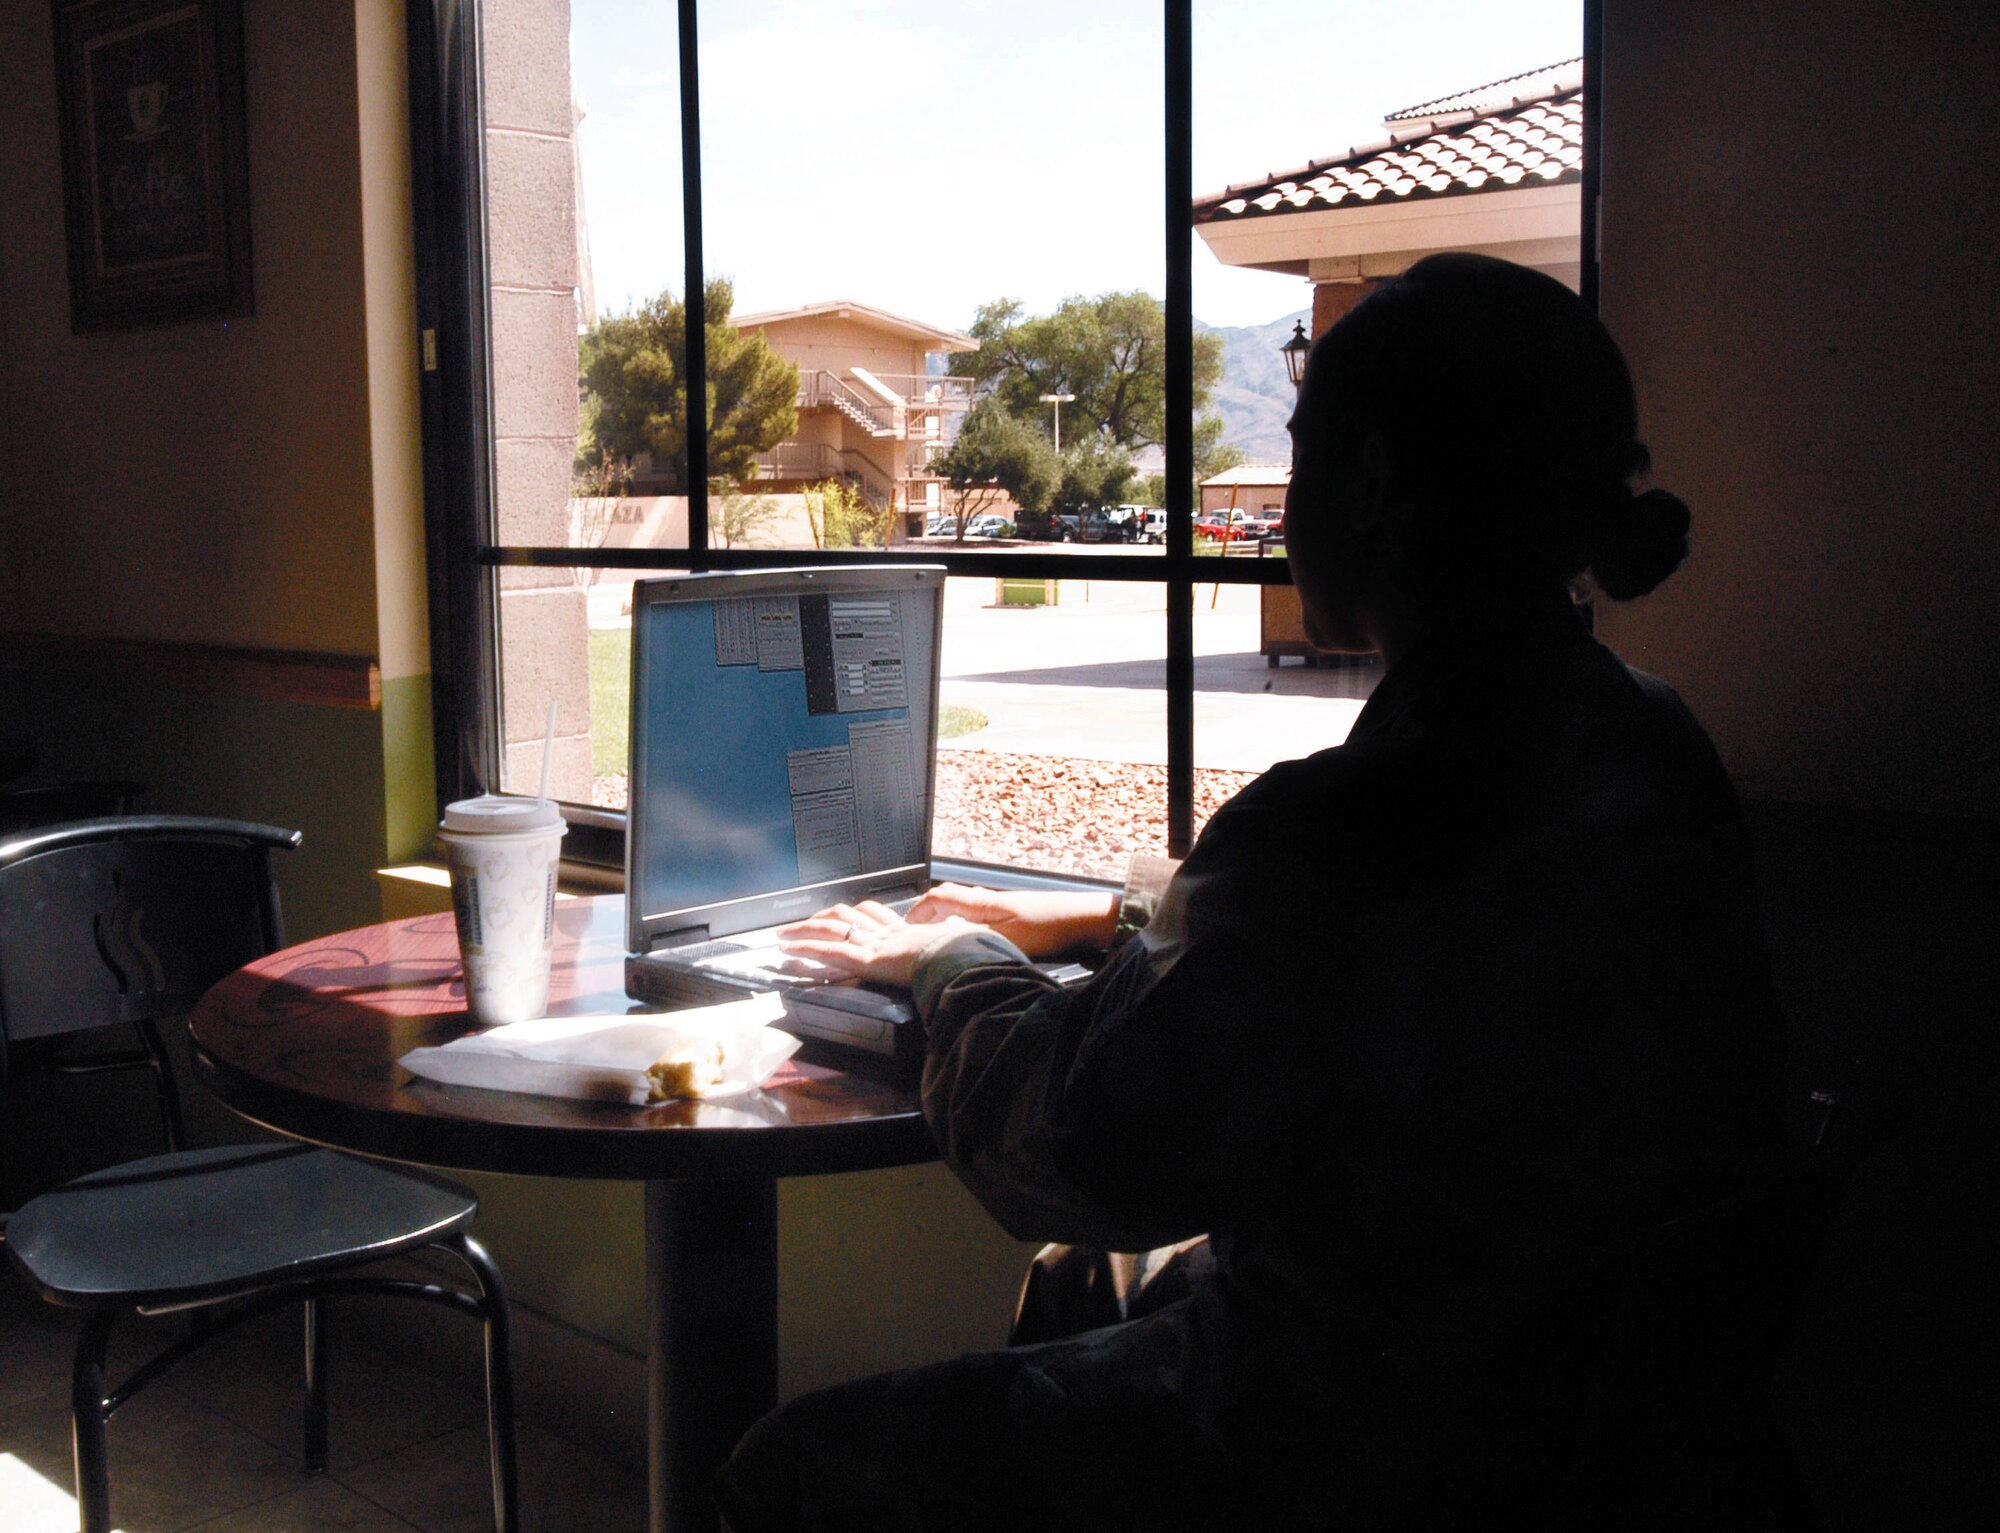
(307, 1041)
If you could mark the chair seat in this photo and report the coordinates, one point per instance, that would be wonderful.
(203, 1224)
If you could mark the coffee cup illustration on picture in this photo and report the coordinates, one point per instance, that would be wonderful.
(147, 105)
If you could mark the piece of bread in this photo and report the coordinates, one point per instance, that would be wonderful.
(689, 1069)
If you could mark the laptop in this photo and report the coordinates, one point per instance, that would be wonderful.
(783, 745)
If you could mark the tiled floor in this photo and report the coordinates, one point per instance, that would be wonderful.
(214, 1445)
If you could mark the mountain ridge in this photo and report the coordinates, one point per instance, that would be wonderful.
(1255, 395)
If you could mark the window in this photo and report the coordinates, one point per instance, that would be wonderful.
(825, 210)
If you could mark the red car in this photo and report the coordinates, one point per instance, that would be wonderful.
(1218, 529)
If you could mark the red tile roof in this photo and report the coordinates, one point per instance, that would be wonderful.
(1524, 131)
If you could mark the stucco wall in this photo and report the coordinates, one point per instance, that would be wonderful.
(1798, 257)
(532, 247)
(825, 340)
(1798, 232)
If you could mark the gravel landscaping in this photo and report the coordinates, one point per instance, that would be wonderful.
(1051, 812)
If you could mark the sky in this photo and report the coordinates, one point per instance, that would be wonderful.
(925, 158)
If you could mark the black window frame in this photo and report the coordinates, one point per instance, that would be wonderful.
(466, 556)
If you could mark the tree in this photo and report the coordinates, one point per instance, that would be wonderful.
(635, 394)
(1109, 351)
(735, 517)
(1093, 474)
(994, 454)
(1212, 455)
(597, 483)
(842, 517)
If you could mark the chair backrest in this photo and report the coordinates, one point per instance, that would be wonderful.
(57, 803)
(126, 919)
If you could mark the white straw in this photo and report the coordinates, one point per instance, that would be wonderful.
(548, 739)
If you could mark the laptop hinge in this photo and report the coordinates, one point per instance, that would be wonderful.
(686, 936)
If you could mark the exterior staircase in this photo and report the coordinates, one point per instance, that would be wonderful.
(823, 388)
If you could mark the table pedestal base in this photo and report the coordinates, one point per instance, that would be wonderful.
(711, 1334)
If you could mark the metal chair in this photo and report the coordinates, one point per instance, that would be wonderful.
(25, 809)
(118, 920)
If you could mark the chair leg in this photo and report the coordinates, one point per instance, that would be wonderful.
(499, 1380)
(87, 1418)
(318, 1360)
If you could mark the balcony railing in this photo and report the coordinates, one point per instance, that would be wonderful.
(811, 462)
(936, 393)
(917, 394)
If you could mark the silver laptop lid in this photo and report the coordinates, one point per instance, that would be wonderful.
(783, 741)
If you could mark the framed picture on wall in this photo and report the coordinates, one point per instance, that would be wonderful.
(156, 183)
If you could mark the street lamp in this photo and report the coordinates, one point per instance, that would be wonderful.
(1295, 353)
(1058, 400)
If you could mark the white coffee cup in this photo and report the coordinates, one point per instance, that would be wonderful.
(503, 853)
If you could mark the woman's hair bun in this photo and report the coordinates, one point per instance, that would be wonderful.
(1640, 544)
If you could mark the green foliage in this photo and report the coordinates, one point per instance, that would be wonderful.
(954, 721)
(1109, 351)
(597, 481)
(842, 517)
(610, 699)
(996, 452)
(635, 395)
(1212, 455)
(734, 518)
(1093, 474)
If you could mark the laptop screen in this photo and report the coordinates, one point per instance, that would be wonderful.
(783, 732)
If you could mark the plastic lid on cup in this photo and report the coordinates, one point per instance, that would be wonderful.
(497, 814)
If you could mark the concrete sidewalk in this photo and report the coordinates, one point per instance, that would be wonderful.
(1086, 677)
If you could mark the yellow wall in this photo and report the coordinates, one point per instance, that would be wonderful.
(212, 481)
(251, 483)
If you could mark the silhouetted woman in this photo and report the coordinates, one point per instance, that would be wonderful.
(1424, 1028)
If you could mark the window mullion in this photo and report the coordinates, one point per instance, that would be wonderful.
(694, 302)
(1178, 98)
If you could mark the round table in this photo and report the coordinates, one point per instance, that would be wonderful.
(307, 1041)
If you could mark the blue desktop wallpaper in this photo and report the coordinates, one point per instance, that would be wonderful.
(719, 805)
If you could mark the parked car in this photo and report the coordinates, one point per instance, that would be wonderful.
(1148, 524)
(1095, 525)
(1219, 527)
(1263, 524)
(990, 524)
(936, 526)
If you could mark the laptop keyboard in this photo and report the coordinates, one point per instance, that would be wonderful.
(756, 956)
(768, 965)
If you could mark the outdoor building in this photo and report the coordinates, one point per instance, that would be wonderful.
(872, 410)
(1496, 169)
(1247, 489)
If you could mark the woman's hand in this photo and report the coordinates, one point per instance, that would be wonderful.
(866, 941)
(1040, 922)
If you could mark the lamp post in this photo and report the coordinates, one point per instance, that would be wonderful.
(1058, 400)
(1295, 351)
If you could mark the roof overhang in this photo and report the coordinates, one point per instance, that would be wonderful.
(1535, 226)
(934, 339)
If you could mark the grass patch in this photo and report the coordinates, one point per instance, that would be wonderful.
(954, 721)
(610, 699)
